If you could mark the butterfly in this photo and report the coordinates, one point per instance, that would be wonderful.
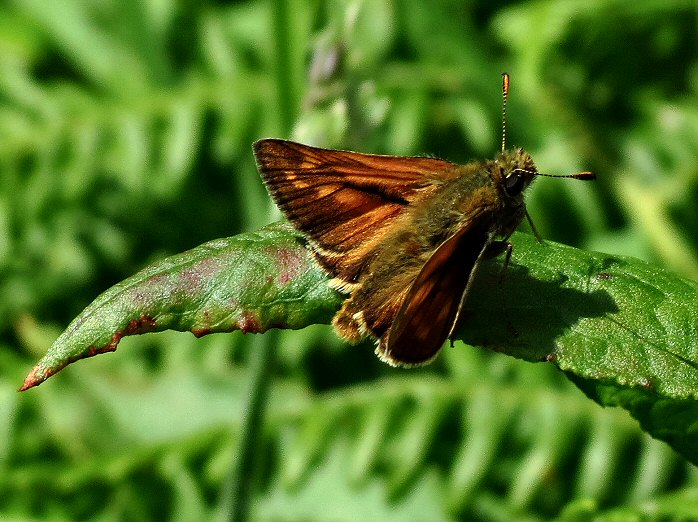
(402, 236)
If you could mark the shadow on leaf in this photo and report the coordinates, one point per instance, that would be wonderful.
(522, 316)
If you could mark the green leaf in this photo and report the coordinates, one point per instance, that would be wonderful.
(621, 329)
(250, 282)
(615, 320)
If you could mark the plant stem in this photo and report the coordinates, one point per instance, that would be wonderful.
(286, 99)
(239, 490)
(242, 471)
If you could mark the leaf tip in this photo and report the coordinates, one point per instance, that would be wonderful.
(38, 375)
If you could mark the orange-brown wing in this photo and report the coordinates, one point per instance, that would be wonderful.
(344, 201)
(431, 306)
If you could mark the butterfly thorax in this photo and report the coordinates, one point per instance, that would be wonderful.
(487, 194)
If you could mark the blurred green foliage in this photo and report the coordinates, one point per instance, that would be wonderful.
(125, 136)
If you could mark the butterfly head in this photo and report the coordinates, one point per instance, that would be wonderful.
(514, 171)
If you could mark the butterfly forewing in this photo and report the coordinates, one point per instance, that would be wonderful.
(430, 308)
(344, 201)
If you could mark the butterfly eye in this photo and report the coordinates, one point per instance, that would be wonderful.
(514, 183)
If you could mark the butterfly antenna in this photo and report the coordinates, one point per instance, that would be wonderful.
(584, 176)
(505, 95)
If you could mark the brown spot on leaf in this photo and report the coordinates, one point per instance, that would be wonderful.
(36, 377)
(290, 262)
(142, 325)
(249, 323)
(110, 347)
(195, 277)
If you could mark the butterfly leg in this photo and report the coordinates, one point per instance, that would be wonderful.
(507, 257)
(533, 227)
(497, 247)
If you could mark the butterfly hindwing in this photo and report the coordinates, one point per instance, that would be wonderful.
(431, 306)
